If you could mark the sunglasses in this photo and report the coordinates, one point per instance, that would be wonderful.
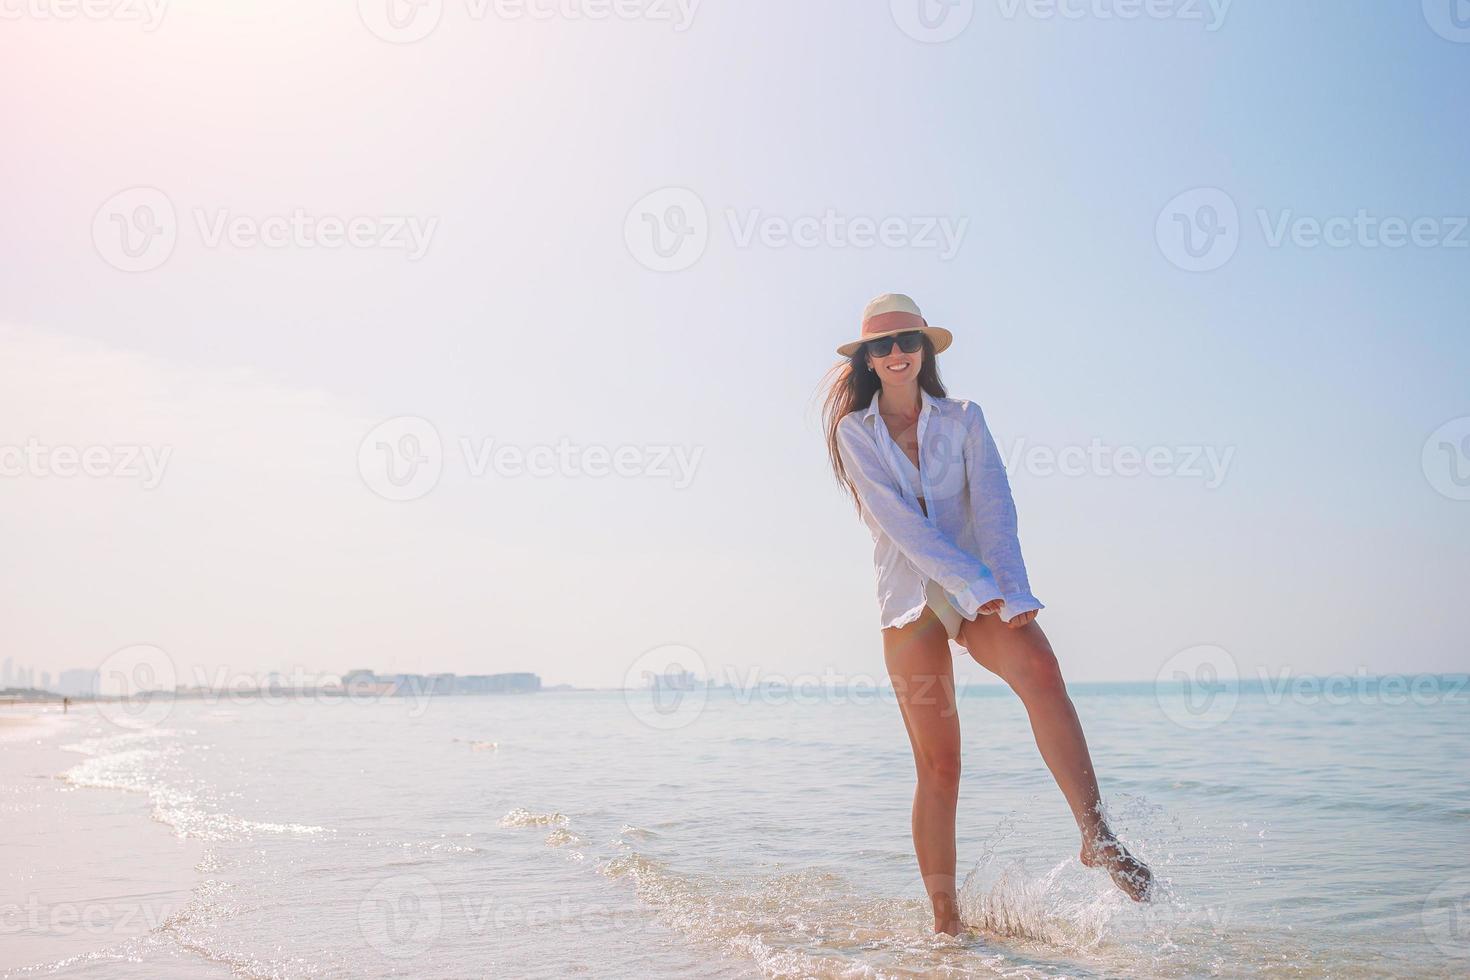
(907, 342)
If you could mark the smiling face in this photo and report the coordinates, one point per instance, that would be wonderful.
(897, 366)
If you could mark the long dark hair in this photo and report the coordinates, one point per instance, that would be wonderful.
(850, 386)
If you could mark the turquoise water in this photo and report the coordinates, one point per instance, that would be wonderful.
(765, 834)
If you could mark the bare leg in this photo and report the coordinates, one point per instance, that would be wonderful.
(1023, 658)
(922, 670)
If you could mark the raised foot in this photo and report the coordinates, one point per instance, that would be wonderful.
(1128, 873)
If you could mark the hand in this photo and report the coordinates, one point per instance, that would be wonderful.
(993, 606)
(1021, 619)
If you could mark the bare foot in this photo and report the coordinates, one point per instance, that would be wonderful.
(947, 916)
(951, 927)
(1130, 874)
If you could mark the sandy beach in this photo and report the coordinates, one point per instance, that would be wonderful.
(85, 868)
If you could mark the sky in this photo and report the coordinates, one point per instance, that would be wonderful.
(477, 337)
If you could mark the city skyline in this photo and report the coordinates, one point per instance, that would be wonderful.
(83, 682)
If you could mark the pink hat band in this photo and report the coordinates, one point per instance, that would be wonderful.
(891, 322)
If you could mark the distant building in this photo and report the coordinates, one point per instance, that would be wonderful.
(519, 683)
(413, 685)
(674, 680)
(355, 677)
(365, 682)
(409, 685)
(77, 683)
(473, 684)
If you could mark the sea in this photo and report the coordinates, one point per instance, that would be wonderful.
(1310, 830)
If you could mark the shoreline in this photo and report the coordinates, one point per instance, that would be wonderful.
(87, 868)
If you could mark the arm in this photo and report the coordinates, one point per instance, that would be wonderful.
(994, 513)
(925, 546)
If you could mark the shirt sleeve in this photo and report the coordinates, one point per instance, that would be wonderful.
(994, 514)
(925, 546)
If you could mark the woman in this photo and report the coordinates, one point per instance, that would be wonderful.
(949, 568)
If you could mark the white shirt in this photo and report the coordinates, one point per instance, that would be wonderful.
(967, 541)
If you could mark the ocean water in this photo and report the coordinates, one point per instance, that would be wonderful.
(749, 834)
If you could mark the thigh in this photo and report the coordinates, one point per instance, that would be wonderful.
(1001, 650)
(921, 667)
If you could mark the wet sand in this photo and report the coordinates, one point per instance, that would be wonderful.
(85, 868)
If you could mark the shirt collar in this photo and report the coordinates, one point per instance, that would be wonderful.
(926, 404)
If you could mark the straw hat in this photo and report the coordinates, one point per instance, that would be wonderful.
(890, 314)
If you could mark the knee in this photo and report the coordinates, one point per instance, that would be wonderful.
(940, 771)
(1039, 675)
